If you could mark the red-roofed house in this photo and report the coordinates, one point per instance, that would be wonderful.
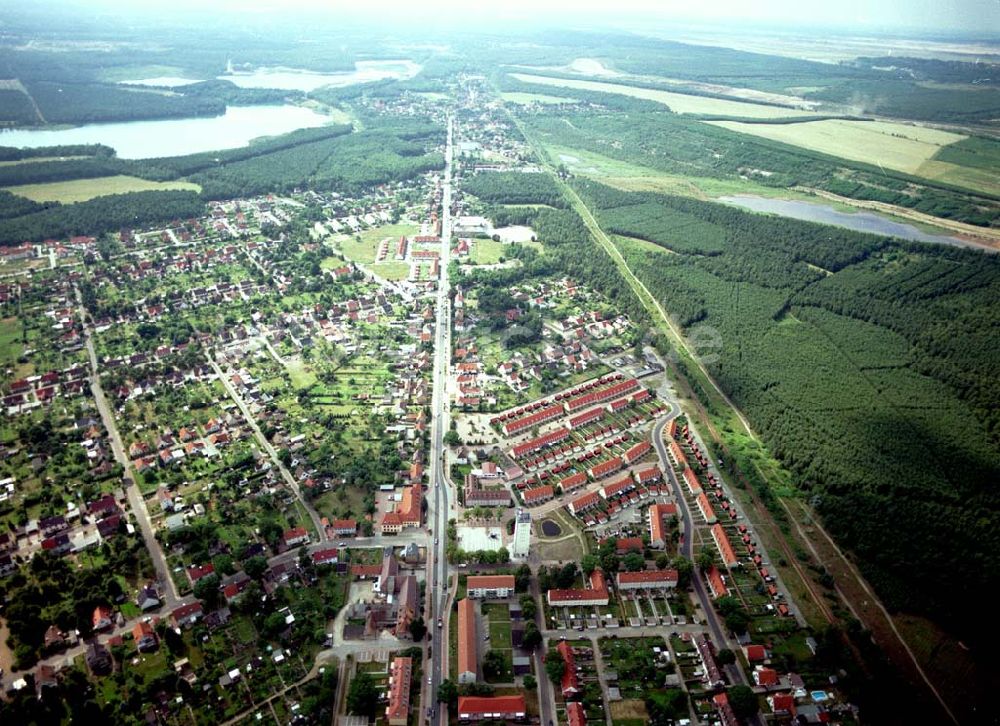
(328, 556)
(144, 636)
(624, 545)
(705, 507)
(599, 471)
(575, 715)
(467, 659)
(595, 594)
(186, 614)
(782, 704)
(538, 495)
(657, 529)
(397, 713)
(692, 480)
(584, 503)
(716, 583)
(296, 536)
(102, 618)
(725, 549)
(196, 572)
(490, 586)
(755, 653)
(344, 527)
(499, 708)
(570, 684)
(764, 676)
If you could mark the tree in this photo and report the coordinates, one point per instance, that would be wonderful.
(207, 590)
(494, 664)
(725, 656)
(634, 562)
(447, 692)
(706, 559)
(522, 580)
(418, 629)
(532, 637)
(555, 666)
(743, 700)
(684, 569)
(255, 567)
(529, 608)
(588, 564)
(662, 561)
(451, 438)
(362, 696)
(530, 683)
(567, 575)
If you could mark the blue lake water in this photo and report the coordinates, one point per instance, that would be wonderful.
(174, 137)
(858, 221)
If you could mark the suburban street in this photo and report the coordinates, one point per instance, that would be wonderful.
(136, 503)
(268, 448)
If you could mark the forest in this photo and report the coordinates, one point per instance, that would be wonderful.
(868, 366)
(15, 108)
(79, 103)
(514, 188)
(99, 215)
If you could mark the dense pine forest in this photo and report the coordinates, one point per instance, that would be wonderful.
(867, 364)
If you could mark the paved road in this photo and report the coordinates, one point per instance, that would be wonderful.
(171, 599)
(440, 500)
(734, 672)
(270, 450)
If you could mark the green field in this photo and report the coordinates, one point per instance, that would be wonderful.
(893, 145)
(10, 341)
(678, 102)
(638, 178)
(526, 98)
(363, 246)
(80, 190)
(486, 251)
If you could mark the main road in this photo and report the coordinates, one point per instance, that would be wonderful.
(438, 500)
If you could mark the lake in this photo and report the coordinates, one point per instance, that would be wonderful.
(297, 79)
(175, 137)
(858, 221)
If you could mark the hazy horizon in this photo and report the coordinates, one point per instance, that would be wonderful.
(930, 18)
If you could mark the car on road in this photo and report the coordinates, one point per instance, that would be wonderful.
(342, 544)
(435, 540)
(430, 680)
(440, 623)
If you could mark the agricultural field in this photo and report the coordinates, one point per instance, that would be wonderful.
(678, 102)
(80, 190)
(902, 147)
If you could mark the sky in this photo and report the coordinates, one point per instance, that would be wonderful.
(981, 17)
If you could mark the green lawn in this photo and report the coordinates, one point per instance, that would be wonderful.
(487, 251)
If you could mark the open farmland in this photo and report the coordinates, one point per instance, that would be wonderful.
(678, 102)
(893, 145)
(80, 190)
